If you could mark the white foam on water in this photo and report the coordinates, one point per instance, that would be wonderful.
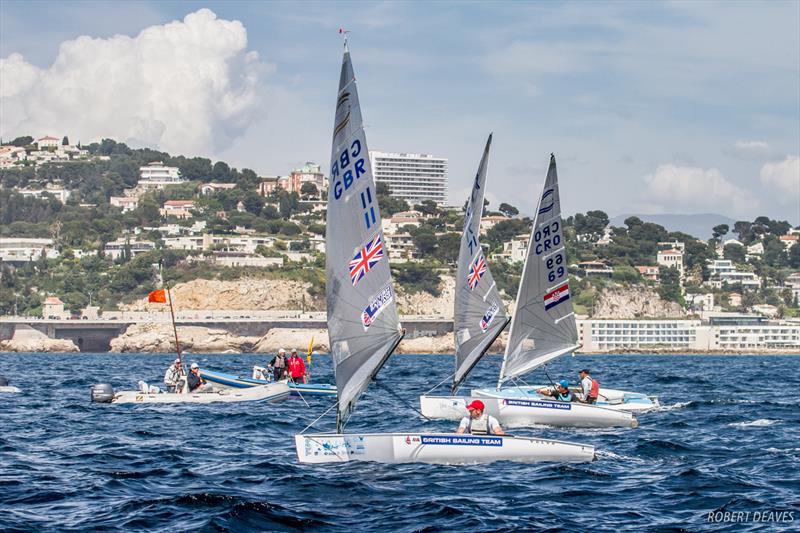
(761, 422)
(674, 406)
(605, 454)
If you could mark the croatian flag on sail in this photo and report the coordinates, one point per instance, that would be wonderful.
(366, 258)
(476, 271)
(556, 296)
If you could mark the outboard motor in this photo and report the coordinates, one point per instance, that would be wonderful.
(3, 382)
(102, 393)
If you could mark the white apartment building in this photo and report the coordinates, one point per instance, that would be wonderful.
(59, 193)
(723, 271)
(157, 176)
(126, 203)
(244, 259)
(413, 177)
(201, 243)
(177, 208)
(401, 247)
(115, 249)
(48, 142)
(514, 250)
(671, 258)
(24, 250)
(610, 335)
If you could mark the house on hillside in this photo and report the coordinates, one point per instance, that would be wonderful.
(648, 272)
(53, 307)
(126, 203)
(211, 188)
(177, 208)
(488, 222)
(671, 258)
(47, 142)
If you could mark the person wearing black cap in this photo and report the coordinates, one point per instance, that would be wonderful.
(590, 387)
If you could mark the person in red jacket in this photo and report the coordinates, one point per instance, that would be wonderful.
(297, 368)
(590, 387)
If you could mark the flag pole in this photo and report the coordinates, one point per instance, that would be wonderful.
(175, 330)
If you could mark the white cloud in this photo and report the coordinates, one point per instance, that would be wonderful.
(188, 86)
(784, 179)
(685, 189)
(749, 150)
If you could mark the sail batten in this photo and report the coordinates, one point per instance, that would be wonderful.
(543, 326)
(479, 315)
(363, 324)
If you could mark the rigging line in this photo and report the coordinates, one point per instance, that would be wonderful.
(397, 396)
(320, 416)
(301, 396)
(440, 383)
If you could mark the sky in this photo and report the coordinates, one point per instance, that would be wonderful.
(674, 107)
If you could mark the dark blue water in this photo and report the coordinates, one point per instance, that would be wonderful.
(727, 440)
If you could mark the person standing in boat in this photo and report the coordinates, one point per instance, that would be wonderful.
(173, 376)
(478, 422)
(297, 368)
(278, 365)
(559, 392)
(590, 387)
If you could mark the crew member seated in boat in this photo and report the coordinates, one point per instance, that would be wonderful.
(278, 365)
(195, 382)
(561, 392)
(590, 387)
(478, 422)
(297, 368)
(173, 375)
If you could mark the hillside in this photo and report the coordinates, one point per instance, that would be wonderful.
(698, 225)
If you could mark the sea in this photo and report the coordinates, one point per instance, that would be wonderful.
(721, 454)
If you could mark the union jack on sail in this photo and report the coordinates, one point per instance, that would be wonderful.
(366, 258)
(476, 271)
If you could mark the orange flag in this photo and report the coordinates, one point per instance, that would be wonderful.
(159, 296)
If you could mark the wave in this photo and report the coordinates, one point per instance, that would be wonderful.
(761, 422)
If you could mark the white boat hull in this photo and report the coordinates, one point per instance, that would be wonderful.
(618, 400)
(444, 448)
(9, 389)
(516, 413)
(264, 393)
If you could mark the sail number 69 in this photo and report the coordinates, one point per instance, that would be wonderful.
(555, 267)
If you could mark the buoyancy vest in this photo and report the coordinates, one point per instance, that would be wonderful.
(479, 426)
(280, 362)
(563, 397)
(595, 390)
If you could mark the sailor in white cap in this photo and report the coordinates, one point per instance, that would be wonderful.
(173, 375)
(279, 365)
(195, 382)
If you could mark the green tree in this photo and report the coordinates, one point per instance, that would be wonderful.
(592, 224)
(508, 210)
(719, 231)
(734, 252)
(65, 141)
(626, 274)
(22, 142)
(389, 204)
(670, 286)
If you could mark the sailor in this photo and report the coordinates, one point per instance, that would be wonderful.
(589, 386)
(478, 422)
(195, 382)
(278, 365)
(173, 375)
(297, 368)
(560, 392)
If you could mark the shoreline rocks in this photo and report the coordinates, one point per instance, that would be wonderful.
(28, 339)
(159, 337)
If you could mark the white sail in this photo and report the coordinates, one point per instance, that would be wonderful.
(363, 324)
(479, 314)
(543, 326)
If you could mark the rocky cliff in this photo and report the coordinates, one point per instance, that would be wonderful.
(635, 302)
(27, 339)
(159, 337)
(236, 295)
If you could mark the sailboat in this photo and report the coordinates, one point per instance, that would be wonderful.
(543, 328)
(105, 393)
(364, 326)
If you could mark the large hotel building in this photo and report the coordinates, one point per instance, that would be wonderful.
(413, 177)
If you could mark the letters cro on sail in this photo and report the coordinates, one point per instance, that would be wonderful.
(543, 326)
(363, 323)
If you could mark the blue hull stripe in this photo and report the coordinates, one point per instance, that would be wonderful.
(297, 389)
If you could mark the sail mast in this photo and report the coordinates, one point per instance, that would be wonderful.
(543, 327)
(363, 324)
(479, 314)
